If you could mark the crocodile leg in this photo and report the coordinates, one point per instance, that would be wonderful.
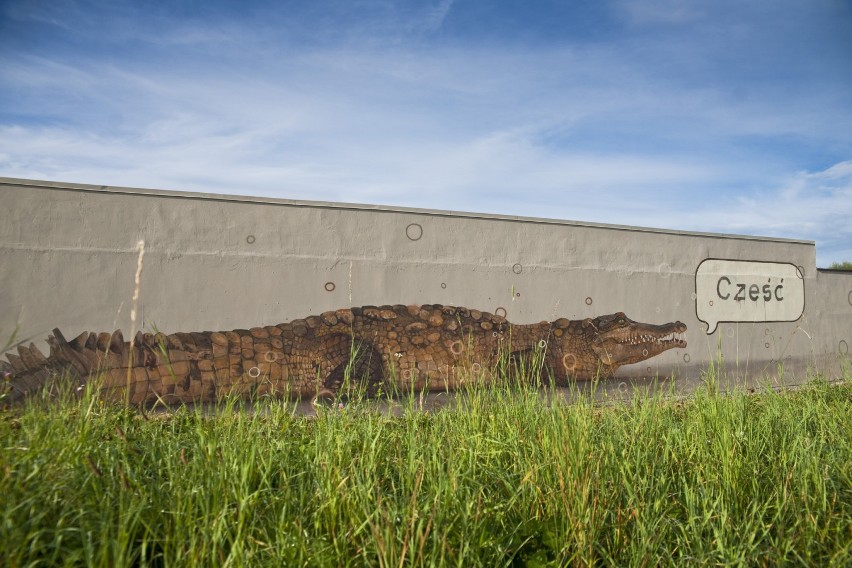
(349, 367)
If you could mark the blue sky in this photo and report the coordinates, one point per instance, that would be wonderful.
(718, 116)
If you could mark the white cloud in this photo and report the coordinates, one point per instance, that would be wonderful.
(434, 16)
(458, 125)
(644, 12)
(808, 205)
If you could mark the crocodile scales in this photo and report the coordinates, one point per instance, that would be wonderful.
(414, 347)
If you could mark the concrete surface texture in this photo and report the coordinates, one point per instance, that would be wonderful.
(70, 253)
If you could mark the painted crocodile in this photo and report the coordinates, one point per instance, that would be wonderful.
(409, 347)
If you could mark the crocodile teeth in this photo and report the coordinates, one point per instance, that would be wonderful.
(673, 337)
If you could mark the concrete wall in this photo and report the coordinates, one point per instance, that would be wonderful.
(69, 253)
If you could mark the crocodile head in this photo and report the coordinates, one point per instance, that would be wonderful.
(617, 340)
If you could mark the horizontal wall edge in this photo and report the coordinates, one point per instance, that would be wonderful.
(117, 190)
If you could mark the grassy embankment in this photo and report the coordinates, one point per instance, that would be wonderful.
(764, 479)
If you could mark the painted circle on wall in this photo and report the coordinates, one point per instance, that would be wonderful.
(589, 301)
(476, 368)
(444, 285)
(406, 374)
(457, 347)
(270, 356)
(329, 286)
(729, 332)
(766, 331)
(622, 387)
(517, 294)
(542, 344)
(569, 362)
(686, 357)
(843, 347)
(500, 311)
(250, 239)
(517, 268)
(254, 372)
(414, 232)
(665, 270)
(766, 345)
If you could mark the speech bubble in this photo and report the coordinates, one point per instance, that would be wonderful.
(748, 291)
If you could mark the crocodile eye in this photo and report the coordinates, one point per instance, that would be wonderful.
(621, 321)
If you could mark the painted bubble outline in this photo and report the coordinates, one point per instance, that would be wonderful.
(695, 292)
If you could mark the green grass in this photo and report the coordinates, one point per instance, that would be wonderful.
(505, 479)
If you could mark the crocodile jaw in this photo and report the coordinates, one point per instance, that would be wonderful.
(638, 342)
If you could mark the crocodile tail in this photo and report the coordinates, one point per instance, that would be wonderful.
(18, 384)
(30, 371)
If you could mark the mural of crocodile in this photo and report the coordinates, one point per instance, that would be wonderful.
(408, 347)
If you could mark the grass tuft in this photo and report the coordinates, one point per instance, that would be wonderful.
(506, 478)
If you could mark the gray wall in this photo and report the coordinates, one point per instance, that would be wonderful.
(69, 252)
